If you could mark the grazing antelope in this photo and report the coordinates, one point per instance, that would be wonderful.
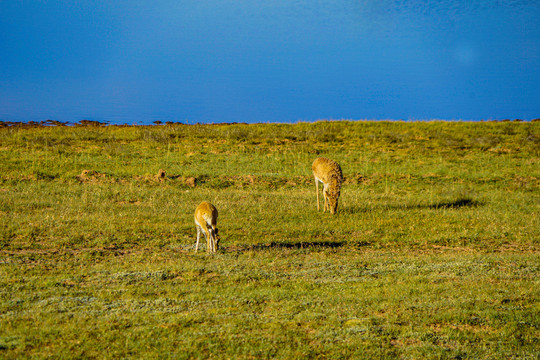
(206, 220)
(329, 173)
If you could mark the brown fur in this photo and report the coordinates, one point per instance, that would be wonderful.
(206, 216)
(329, 173)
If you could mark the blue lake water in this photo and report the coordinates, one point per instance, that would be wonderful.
(274, 61)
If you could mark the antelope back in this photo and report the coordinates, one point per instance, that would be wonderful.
(328, 171)
(206, 213)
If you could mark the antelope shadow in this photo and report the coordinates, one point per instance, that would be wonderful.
(297, 245)
(451, 204)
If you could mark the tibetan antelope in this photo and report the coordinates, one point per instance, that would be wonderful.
(329, 173)
(206, 221)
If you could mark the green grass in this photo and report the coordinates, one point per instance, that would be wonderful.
(435, 251)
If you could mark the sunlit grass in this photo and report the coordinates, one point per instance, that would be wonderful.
(434, 252)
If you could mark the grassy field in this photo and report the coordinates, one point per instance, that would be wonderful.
(434, 253)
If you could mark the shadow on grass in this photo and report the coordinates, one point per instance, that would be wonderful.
(455, 204)
(298, 245)
(452, 204)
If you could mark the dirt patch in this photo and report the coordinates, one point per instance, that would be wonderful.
(356, 179)
(161, 175)
(90, 176)
(191, 181)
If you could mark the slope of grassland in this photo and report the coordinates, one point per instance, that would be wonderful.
(435, 251)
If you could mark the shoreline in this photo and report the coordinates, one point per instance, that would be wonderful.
(95, 123)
